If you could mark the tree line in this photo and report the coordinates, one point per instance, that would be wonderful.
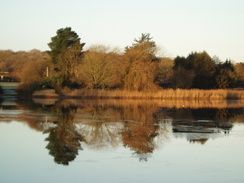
(139, 67)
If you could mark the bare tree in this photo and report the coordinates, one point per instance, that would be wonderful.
(99, 68)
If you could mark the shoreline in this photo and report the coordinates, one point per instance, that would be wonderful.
(164, 94)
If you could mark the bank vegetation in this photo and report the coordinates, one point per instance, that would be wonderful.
(137, 72)
(167, 94)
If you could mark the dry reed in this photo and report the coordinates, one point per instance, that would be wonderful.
(171, 94)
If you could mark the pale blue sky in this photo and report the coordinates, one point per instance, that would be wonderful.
(178, 26)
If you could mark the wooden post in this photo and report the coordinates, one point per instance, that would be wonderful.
(47, 72)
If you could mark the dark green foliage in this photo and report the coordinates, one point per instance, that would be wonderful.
(201, 64)
(55, 82)
(64, 39)
(182, 78)
(225, 76)
(66, 54)
(58, 82)
(180, 62)
(206, 73)
(204, 68)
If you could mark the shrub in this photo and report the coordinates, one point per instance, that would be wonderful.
(55, 82)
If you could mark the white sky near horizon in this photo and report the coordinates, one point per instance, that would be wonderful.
(177, 26)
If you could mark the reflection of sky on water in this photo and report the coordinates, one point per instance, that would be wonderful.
(131, 142)
(24, 158)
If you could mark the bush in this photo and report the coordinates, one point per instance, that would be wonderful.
(27, 89)
(55, 82)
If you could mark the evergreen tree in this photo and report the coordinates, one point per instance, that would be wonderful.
(226, 76)
(66, 51)
(201, 67)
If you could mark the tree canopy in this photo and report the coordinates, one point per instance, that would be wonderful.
(138, 68)
(66, 53)
(225, 75)
(99, 68)
(201, 65)
(63, 41)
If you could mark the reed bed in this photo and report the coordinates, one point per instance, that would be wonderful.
(171, 94)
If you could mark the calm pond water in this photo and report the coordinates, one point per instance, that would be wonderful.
(120, 141)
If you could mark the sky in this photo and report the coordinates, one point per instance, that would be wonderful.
(178, 27)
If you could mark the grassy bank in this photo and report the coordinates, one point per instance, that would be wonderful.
(169, 94)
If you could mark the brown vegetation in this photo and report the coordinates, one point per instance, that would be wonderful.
(100, 68)
(28, 66)
(192, 94)
(138, 73)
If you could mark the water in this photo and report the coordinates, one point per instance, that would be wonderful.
(119, 141)
(8, 96)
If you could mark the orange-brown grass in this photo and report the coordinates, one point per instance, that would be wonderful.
(193, 94)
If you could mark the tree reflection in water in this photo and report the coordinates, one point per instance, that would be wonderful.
(100, 128)
(64, 141)
(140, 129)
(139, 138)
(141, 126)
(198, 125)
